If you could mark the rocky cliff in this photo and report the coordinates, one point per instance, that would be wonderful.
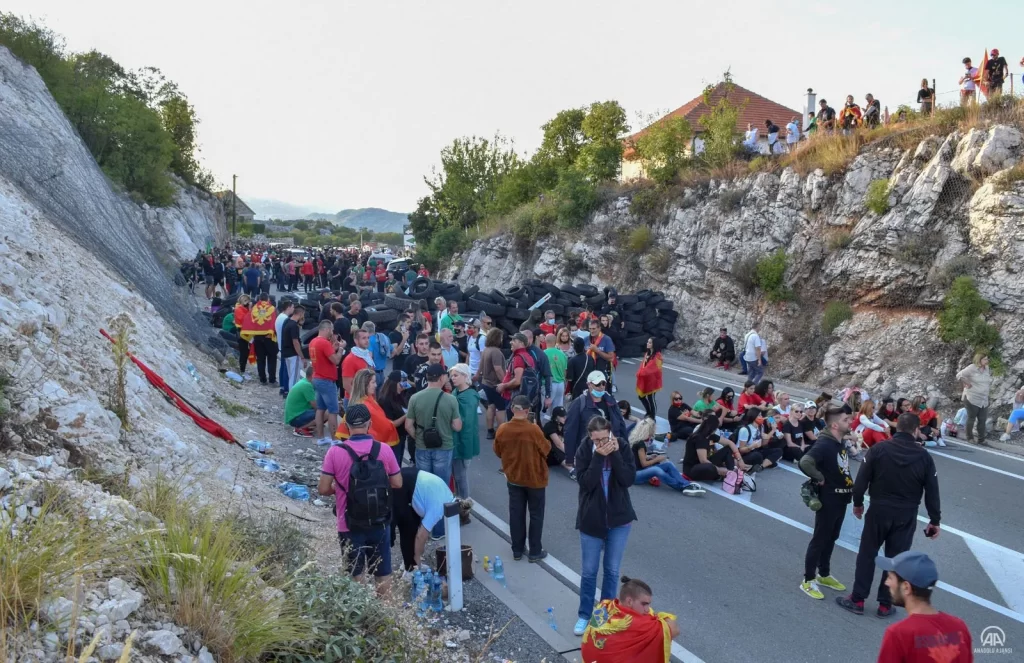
(45, 162)
(950, 213)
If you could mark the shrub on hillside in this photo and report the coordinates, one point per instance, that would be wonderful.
(647, 204)
(836, 313)
(730, 199)
(660, 260)
(575, 198)
(640, 240)
(877, 199)
(962, 319)
(744, 270)
(961, 265)
(770, 274)
(840, 239)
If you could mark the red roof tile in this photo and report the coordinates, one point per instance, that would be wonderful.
(755, 110)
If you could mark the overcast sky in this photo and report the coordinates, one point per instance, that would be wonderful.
(335, 104)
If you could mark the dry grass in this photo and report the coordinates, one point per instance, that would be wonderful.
(640, 240)
(1007, 180)
(839, 239)
(230, 408)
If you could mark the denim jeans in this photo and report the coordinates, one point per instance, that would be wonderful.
(665, 471)
(460, 468)
(614, 546)
(557, 394)
(303, 419)
(438, 462)
(755, 371)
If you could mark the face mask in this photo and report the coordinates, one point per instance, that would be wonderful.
(598, 393)
(551, 321)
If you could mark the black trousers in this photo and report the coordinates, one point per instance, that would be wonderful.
(266, 358)
(243, 354)
(519, 500)
(650, 405)
(893, 528)
(405, 524)
(828, 522)
(709, 471)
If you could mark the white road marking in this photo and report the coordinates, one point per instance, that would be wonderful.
(975, 447)
(975, 464)
(679, 652)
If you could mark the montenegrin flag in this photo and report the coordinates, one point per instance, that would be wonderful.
(260, 322)
(616, 633)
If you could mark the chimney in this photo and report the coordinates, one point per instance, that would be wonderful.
(811, 106)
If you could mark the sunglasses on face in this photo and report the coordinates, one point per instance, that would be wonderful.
(599, 384)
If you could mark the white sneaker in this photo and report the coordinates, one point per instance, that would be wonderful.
(749, 482)
(580, 627)
(693, 490)
(1005, 437)
(941, 442)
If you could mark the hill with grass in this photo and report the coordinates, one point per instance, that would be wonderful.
(883, 259)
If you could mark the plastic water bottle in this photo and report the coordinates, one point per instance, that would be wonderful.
(270, 466)
(417, 580)
(192, 371)
(235, 377)
(499, 571)
(423, 596)
(258, 445)
(436, 604)
(295, 491)
(551, 619)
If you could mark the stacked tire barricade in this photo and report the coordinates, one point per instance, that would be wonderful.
(636, 317)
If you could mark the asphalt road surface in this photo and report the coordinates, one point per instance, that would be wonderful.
(729, 566)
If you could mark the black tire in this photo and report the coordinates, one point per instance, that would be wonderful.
(632, 317)
(654, 299)
(471, 291)
(633, 327)
(639, 307)
(306, 337)
(644, 294)
(379, 316)
(649, 314)
(508, 327)
(595, 300)
(481, 297)
(531, 281)
(517, 314)
(557, 309)
(499, 298)
(586, 290)
(574, 312)
(626, 300)
(570, 289)
(664, 305)
(310, 323)
(487, 307)
(398, 303)
(669, 316)
(635, 340)
(420, 285)
(443, 287)
(550, 287)
(562, 301)
(516, 292)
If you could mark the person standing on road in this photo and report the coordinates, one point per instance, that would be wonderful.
(490, 374)
(925, 635)
(601, 349)
(649, 378)
(596, 402)
(432, 419)
(557, 362)
(827, 464)
(977, 381)
(752, 354)
(605, 513)
(283, 313)
(466, 442)
(523, 450)
(895, 474)
(540, 360)
(242, 307)
(577, 369)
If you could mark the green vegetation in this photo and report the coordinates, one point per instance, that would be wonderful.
(720, 145)
(770, 274)
(961, 265)
(573, 263)
(730, 199)
(915, 250)
(230, 408)
(640, 240)
(839, 239)
(836, 313)
(962, 319)
(744, 270)
(660, 259)
(663, 146)
(138, 125)
(877, 199)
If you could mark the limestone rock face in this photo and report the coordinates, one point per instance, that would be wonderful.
(950, 214)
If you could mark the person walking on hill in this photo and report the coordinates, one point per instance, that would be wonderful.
(896, 474)
(523, 450)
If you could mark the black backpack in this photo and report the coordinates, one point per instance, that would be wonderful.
(369, 491)
(529, 385)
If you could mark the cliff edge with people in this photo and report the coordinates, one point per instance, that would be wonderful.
(883, 262)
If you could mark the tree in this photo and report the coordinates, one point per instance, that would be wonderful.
(663, 146)
(563, 137)
(605, 122)
(389, 239)
(575, 198)
(962, 319)
(719, 125)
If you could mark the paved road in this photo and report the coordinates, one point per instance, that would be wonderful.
(729, 566)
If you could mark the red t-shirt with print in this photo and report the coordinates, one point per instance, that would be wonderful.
(927, 639)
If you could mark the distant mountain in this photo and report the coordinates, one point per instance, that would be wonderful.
(374, 218)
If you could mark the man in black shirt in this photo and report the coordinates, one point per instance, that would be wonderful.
(996, 71)
(578, 368)
(826, 117)
(872, 111)
(828, 466)
(723, 352)
(291, 345)
(461, 341)
(554, 431)
(414, 362)
(402, 337)
(896, 475)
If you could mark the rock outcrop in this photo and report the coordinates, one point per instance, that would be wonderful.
(949, 213)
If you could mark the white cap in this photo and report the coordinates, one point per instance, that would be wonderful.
(596, 377)
(811, 404)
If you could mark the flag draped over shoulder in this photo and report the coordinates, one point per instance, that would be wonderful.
(616, 633)
(649, 376)
(260, 322)
(381, 428)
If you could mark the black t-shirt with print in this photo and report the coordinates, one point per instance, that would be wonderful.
(399, 362)
(796, 432)
(925, 94)
(556, 456)
(995, 69)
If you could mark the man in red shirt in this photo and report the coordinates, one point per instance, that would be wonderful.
(517, 365)
(307, 274)
(356, 360)
(325, 355)
(925, 635)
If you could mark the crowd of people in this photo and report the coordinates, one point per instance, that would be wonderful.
(400, 414)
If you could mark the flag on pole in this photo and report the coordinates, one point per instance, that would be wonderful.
(979, 80)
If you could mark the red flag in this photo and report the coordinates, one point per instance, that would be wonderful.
(979, 80)
(649, 376)
(616, 633)
(259, 322)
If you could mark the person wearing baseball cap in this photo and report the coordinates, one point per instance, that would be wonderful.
(520, 361)
(366, 542)
(996, 72)
(925, 634)
(595, 401)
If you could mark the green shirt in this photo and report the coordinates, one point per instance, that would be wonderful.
(301, 397)
(228, 323)
(558, 362)
(410, 276)
(448, 322)
(701, 406)
(421, 411)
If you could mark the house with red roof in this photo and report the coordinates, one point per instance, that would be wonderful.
(754, 110)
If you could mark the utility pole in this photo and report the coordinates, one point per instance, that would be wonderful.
(234, 197)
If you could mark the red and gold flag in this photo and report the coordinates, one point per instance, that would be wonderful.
(616, 633)
(649, 376)
(979, 80)
(260, 322)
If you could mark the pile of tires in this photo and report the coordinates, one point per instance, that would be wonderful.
(643, 315)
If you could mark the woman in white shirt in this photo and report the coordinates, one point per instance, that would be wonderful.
(870, 426)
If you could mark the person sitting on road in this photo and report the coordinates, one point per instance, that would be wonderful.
(888, 413)
(681, 418)
(869, 426)
(928, 434)
(627, 629)
(1016, 416)
(705, 401)
(702, 462)
(752, 443)
(725, 410)
(627, 415)
(766, 390)
(723, 352)
(653, 467)
(793, 434)
(554, 430)
(811, 424)
(782, 403)
(751, 400)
